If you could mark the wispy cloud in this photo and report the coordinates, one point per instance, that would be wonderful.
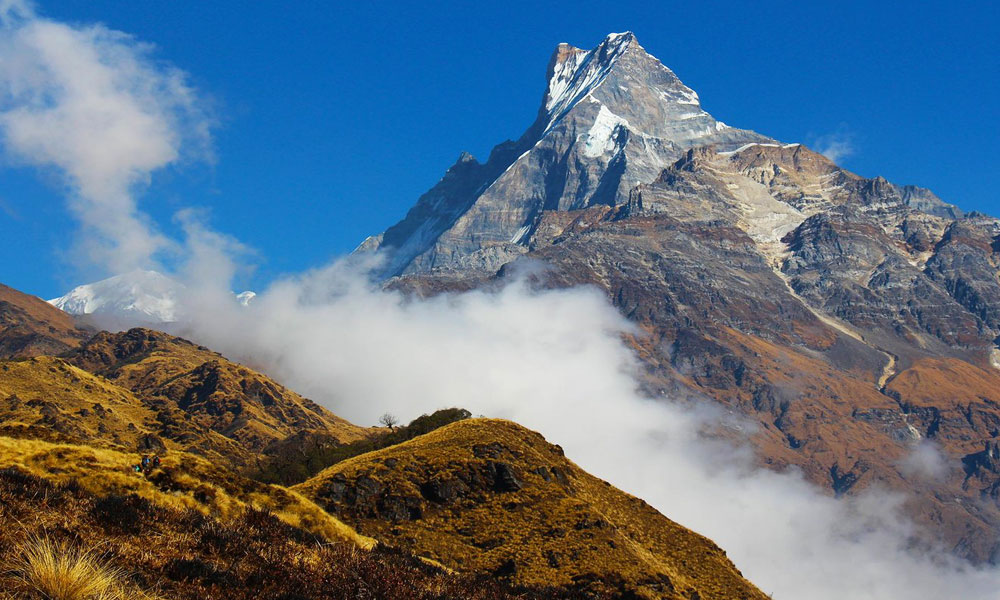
(8, 210)
(93, 104)
(837, 145)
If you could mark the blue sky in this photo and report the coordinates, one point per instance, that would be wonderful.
(332, 118)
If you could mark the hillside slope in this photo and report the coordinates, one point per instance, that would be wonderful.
(164, 551)
(174, 375)
(29, 326)
(489, 496)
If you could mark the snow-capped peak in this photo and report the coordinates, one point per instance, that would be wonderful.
(245, 298)
(145, 296)
(135, 298)
(575, 72)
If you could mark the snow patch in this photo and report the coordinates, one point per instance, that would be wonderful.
(751, 145)
(600, 138)
(519, 234)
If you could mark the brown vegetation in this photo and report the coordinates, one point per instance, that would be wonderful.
(140, 549)
(30, 326)
(489, 496)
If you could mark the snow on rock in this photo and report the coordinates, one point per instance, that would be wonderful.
(577, 72)
(601, 137)
(139, 297)
(145, 296)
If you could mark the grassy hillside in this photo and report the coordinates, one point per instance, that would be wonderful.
(183, 482)
(172, 374)
(126, 547)
(489, 496)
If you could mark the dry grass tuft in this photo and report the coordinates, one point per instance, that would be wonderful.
(59, 571)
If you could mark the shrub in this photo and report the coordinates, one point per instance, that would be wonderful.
(311, 458)
(57, 571)
(127, 514)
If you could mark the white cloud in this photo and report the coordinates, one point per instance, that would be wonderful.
(92, 103)
(925, 462)
(836, 146)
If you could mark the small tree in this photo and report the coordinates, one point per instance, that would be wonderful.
(388, 420)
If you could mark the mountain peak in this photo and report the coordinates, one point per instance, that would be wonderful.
(614, 115)
(148, 296)
(138, 297)
(574, 72)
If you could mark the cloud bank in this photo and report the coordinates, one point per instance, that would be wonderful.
(94, 105)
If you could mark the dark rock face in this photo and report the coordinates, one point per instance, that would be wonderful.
(151, 443)
(366, 497)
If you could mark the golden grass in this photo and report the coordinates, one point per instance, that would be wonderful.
(556, 531)
(58, 571)
(185, 481)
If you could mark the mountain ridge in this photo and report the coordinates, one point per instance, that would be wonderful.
(443, 230)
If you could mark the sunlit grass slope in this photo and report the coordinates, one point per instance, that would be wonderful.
(490, 496)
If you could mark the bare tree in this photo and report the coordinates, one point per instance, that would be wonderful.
(388, 420)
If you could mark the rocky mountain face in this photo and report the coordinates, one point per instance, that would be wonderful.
(852, 318)
(611, 118)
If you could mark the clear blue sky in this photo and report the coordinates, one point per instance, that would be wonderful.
(336, 116)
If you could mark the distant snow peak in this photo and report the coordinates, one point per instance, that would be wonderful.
(245, 298)
(136, 297)
(146, 296)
